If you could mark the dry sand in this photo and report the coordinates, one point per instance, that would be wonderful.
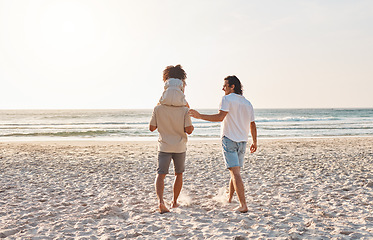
(296, 189)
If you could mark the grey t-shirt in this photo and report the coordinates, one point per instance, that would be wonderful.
(171, 122)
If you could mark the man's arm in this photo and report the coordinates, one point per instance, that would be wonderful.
(219, 117)
(152, 127)
(254, 145)
(153, 121)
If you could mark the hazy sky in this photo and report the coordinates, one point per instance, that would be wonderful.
(111, 54)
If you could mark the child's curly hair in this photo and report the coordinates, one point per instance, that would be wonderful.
(174, 72)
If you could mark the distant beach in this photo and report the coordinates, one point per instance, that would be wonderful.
(314, 188)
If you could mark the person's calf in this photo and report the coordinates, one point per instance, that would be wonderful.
(159, 188)
(239, 188)
(178, 184)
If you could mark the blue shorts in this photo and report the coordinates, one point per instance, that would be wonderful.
(234, 152)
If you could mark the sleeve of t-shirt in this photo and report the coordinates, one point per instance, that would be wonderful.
(252, 114)
(153, 120)
(187, 120)
(224, 104)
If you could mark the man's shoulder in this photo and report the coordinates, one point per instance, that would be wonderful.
(237, 99)
(166, 108)
(233, 97)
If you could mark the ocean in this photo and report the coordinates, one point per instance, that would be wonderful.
(132, 125)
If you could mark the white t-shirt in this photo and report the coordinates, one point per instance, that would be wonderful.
(236, 124)
(173, 94)
(174, 83)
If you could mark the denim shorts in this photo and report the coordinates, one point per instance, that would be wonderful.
(164, 160)
(233, 152)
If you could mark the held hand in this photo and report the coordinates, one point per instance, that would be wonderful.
(253, 147)
(194, 113)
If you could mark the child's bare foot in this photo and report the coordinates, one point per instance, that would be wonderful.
(163, 208)
(241, 209)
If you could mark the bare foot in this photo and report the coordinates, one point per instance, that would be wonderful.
(175, 205)
(229, 196)
(163, 208)
(241, 209)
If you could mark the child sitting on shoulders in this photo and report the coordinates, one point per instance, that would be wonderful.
(173, 94)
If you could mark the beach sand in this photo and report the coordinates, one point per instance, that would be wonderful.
(295, 189)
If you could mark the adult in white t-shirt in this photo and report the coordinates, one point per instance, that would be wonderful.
(237, 116)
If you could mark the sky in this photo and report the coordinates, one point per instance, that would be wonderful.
(62, 54)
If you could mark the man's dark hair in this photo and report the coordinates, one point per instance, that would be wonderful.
(174, 72)
(233, 80)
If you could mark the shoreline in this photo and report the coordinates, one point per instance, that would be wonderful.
(150, 140)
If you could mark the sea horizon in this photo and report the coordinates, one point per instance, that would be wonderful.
(132, 124)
